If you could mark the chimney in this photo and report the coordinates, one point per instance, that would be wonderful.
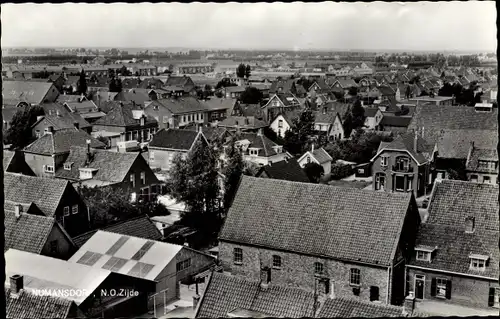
(88, 150)
(265, 277)
(38, 118)
(324, 110)
(196, 299)
(415, 143)
(423, 129)
(312, 148)
(409, 304)
(259, 132)
(16, 283)
(18, 210)
(247, 121)
(58, 114)
(200, 128)
(77, 125)
(50, 129)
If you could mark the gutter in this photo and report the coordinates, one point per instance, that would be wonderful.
(388, 283)
(452, 272)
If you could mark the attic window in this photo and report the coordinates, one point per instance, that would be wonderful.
(254, 151)
(424, 253)
(478, 262)
(67, 166)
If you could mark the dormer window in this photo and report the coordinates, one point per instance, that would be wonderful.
(384, 160)
(478, 262)
(469, 224)
(253, 151)
(68, 165)
(424, 253)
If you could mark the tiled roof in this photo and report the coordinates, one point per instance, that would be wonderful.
(346, 83)
(32, 92)
(286, 86)
(243, 122)
(60, 141)
(149, 83)
(28, 232)
(84, 105)
(451, 203)
(7, 158)
(395, 121)
(65, 121)
(456, 143)
(264, 144)
(477, 154)
(288, 170)
(140, 226)
(181, 81)
(176, 139)
(321, 155)
(123, 116)
(332, 109)
(28, 305)
(281, 219)
(353, 308)
(371, 111)
(406, 142)
(46, 193)
(386, 90)
(185, 104)
(251, 110)
(226, 293)
(68, 98)
(456, 117)
(139, 96)
(111, 166)
(220, 104)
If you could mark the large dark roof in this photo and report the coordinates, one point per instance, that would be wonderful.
(406, 142)
(60, 142)
(243, 122)
(176, 139)
(46, 193)
(276, 214)
(481, 154)
(140, 226)
(29, 305)
(65, 121)
(226, 293)
(451, 203)
(456, 143)
(395, 121)
(353, 308)
(288, 170)
(185, 104)
(123, 116)
(30, 91)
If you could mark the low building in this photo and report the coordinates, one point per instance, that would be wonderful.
(34, 93)
(482, 165)
(284, 122)
(435, 100)
(178, 112)
(373, 118)
(288, 170)
(60, 121)
(394, 124)
(259, 149)
(456, 253)
(242, 123)
(318, 156)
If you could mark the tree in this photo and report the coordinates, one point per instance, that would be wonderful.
(353, 91)
(115, 85)
(124, 71)
(224, 83)
(82, 83)
(354, 118)
(232, 172)
(248, 71)
(251, 95)
(19, 133)
(314, 171)
(194, 180)
(297, 138)
(241, 71)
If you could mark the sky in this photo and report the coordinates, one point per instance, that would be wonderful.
(422, 26)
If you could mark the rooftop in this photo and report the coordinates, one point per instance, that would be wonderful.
(289, 170)
(61, 140)
(175, 139)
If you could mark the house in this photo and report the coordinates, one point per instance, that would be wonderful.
(344, 84)
(233, 92)
(318, 156)
(374, 234)
(166, 144)
(353, 308)
(386, 93)
(93, 290)
(373, 117)
(54, 198)
(279, 103)
(132, 123)
(178, 112)
(284, 122)
(289, 86)
(48, 152)
(86, 109)
(163, 265)
(60, 121)
(185, 83)
(27, 229)
(258, 149)
(319, 87)
(242, 109)
(403, 165)
(21, 303)
(34, 93)
(395, 124)
(138, 97)
(456, 253)
(288, 170)
(435, 100)
(242, 123)
(98, 168)
(13, 162)
(454, 148)
(219, 109)
(482, 165)
(328, 121)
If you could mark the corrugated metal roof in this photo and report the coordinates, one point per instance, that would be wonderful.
(158, 255)
(41, 272)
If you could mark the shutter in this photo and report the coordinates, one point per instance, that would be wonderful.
(491, 297)
(448, 289)
(433, 287)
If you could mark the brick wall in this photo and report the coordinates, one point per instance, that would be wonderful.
(199, 262)
(465, 291)
(36, 163)
(298, 271)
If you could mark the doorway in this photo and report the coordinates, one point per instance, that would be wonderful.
(419, 286)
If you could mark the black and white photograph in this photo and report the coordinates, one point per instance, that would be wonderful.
(250, 160)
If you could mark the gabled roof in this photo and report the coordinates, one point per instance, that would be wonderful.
(225, 294)
(30, 91)
(7, 159)
(60, 141)
(123, 116)
(254, 110)
(288, 99)
(64, 121)
(451, 203)
(62, 98)
(354, 308)
(185, 104)
(133, 252)
(395, 121)
(264, 144)
(288, 170)
(41, 272)
(26, 304)
(77, 106)
(243, 122)
(139, 96)
(175, 139)
(45, 193)
(140, 226)
(286, 86)
(371, 111)
(332, 109)
(456, 143)
(220, 104)
(281, 219)
(180, 81)
(346, 83)
(319, 154)
(481, 154)
(149, 83)
(111, 166)
(406, 142)
(386, 90)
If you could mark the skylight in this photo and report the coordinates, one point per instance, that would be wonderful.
(140, 270)
(89, 258)
(117, 245)
(144, 249)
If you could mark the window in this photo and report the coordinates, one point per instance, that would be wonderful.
(182, 265)
(384, 161)
(402, 163)
(409, 184)
(143, 178)
(280, 123)
(49, 168)
(355, 279)
(308, 160)
(318, 268)
(165, 119)
(151, 155)
(66, 211)
(374, 293)
(67, 166)
(74, 209)
(379, 181)
(477, 264)
(183, 118)
(53, 247)
(441, 288)
(133, 197)
(276, 262)
(254, 152)
(201, 116)
(473, 178)
(423, 255)
(494, 297)
(132, 179)
(400, 183)
(238, 256)
(486, 180)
